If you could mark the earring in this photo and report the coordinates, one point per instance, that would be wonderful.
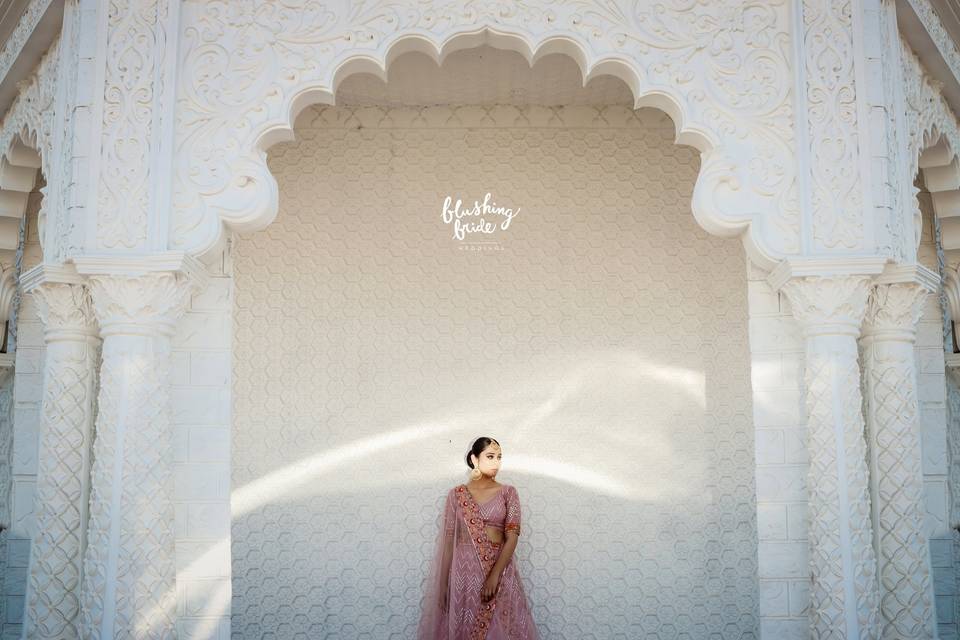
(475, 474)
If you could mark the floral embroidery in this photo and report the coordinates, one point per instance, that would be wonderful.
(486, 551)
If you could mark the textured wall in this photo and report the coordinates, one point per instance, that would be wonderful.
(604, 344)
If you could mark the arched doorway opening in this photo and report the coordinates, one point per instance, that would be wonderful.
(602, 338)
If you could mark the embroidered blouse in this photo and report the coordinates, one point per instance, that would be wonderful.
(502, 511)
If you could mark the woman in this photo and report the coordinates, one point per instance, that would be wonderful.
(473, 588)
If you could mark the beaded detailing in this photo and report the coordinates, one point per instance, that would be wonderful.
(487, 553)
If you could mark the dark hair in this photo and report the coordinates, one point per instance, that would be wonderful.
(479, 445)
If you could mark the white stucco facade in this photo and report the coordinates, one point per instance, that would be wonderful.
(245, 354)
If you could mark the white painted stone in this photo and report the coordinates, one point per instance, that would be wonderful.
(773, 598)
(797, 521)
(210, 368)
(770, 446)
(209, 444)
(795, 446)
(783, 559)
(772, 522)
(203, 559)
(781, 483)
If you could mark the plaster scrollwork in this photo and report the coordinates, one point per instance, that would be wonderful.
(721, 70)
(136, 42)
(836, 196)
(844, 596)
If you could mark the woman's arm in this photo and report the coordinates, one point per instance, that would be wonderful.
(506, 552)
(512, 533)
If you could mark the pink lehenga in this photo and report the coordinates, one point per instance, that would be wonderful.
(462, 560)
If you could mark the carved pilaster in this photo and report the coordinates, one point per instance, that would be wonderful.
(129, 587)
(829, 115)
(843, 590)
(66, 430)
(896, 474)
(129, 583)
(136, 138)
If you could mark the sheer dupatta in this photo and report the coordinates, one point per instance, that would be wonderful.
(434, 620)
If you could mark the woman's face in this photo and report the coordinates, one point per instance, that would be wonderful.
(489, 462)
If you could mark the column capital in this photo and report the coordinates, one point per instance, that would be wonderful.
(63, 302)
(896, 302)
(140, 295)
(828, 305)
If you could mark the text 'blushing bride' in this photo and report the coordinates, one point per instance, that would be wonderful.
(481, 218)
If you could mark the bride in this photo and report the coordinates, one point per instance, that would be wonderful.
(473, 589)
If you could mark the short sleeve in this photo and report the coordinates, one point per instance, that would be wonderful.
(449, 515)
(512, 521)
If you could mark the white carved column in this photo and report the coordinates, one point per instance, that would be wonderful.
(6, 478)
(953, 469)
(129, 583)
(52, 607)
(951, 287)
(896, 476)
(843, 590)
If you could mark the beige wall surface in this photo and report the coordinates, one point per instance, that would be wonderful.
(603, 341)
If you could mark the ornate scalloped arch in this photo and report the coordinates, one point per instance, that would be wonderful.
(720, 70)
(26, 146)
(933, 141)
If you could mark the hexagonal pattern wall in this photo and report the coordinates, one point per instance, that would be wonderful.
(601, 337)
